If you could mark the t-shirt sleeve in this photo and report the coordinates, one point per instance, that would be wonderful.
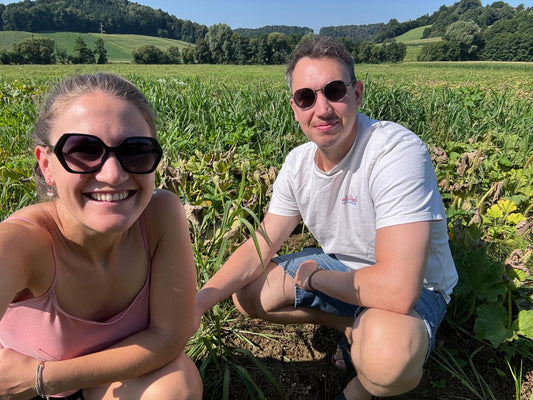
(283, 201)
(403, 184)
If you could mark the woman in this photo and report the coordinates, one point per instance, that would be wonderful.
(97, 286)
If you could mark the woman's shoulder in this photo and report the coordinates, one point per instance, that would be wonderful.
(164, 210)
(162, 202)
(36, 218)
(29, 230)
(26, 241)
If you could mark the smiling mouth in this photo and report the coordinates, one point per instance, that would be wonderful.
(326, 123)
(109, 196)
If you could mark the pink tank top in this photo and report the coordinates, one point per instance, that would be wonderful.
(39, 328)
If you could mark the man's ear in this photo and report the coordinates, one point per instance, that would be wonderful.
(43, 159)
(359, 88)
(294, 110)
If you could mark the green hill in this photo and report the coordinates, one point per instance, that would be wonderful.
(413, 34)
(414, 37)
(7, 38)
(414, 42)
(119, 47)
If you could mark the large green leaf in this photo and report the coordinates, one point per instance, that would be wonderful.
(524, 323)
(480, 275)
(491, 324)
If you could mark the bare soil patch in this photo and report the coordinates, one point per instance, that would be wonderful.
(299, 358)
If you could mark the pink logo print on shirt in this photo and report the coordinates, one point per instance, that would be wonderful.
(349, 199)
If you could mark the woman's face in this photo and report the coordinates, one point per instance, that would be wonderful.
(110, 199)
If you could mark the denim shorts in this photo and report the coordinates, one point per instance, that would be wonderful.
(431, 305)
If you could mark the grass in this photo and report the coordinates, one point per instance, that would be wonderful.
(414, 42)
(8, 38)
(231, 73)
(497, 75)
(412, 35)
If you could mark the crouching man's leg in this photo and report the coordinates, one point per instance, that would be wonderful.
(389, 350)
(271, 297)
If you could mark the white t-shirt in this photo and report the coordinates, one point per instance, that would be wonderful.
(386, 179)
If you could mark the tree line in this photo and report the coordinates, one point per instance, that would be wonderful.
(436, 23)
(220, 46)
(38, 50)
(113, 16)
(505, 40)
(496, 32)
(468, 30)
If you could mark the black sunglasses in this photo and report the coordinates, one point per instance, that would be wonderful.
(85, 154)
(333, 91)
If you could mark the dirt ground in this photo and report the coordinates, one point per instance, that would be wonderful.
(299, 358)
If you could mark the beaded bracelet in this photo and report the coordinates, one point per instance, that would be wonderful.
(39, 379)
(309, 279)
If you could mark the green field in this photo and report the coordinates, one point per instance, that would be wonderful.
(414, 42)
(225, 131)
(413, 34)
(500, 75)
(119, 47)
(8, 38)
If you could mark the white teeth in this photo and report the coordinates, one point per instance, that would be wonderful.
(109, 196)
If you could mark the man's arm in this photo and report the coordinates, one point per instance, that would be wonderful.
(393, 283)
(245, 265)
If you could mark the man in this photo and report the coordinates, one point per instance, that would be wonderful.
(367, 192)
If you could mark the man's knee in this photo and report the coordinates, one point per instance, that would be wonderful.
(389, 362)
(247, 302)
(271, 291)
(388, 370)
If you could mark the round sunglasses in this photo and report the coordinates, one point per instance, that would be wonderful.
(85, 154)
(305, 98)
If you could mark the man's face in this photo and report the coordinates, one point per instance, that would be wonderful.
(331, 125)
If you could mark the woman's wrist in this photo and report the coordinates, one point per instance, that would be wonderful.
(39, 379)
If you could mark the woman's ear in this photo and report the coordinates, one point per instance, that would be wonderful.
(42, 154)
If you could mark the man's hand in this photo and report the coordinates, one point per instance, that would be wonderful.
(304, 273)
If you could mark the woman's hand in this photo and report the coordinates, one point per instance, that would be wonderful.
(304, 273)
(17, 375)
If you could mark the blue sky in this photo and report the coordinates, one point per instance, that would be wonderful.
(310, 13)
(313, 14)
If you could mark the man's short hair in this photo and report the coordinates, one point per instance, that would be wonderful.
(319, 47)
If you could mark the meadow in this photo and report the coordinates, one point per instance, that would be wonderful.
(119, 47)
(226, 130)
